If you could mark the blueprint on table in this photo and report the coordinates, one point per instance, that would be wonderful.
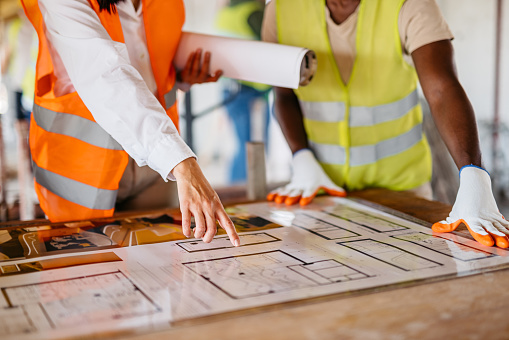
(332, 246)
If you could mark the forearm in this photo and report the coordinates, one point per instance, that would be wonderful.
(455, 119)
(452, 112)
(289, 116)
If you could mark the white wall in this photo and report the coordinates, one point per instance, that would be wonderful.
(473, 25)
(504, 91)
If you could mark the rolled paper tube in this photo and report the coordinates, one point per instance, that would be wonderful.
(248, 60)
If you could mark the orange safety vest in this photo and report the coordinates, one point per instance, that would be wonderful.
(77, 165)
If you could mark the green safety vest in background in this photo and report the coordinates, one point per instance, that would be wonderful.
(233, 21)
(367, 133)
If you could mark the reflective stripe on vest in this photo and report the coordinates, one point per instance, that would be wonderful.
(331, 112)
(365, 116)
(366, 154)
(74, 126)
(74, 191)
(170, 98)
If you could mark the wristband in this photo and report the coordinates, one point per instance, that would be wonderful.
(470, 166)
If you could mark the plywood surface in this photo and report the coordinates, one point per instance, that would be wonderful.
(461, 308)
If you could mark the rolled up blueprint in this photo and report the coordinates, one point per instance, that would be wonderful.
(256, 61)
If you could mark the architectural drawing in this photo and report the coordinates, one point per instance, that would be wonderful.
(97, 298)
(224, 242)
(14, 321)
(270, 272)
(444, 246)
(333, 246)
(317, 226)
(91, 236)
(364, 219)
(390, 254)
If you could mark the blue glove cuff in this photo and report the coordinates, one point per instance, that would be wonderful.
(472, 166)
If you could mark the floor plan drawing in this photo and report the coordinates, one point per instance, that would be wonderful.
(224, 242)
(268, 273)
(87, 299)
(334, 246)
(444, 246)
(15, 320)
(327, 230)
(390, 254)
(367, 220)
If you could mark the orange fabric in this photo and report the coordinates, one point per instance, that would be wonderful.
(166, 19)
(70, 103)
(59, 209)
(44, 66)
(75, 159)
(95, 166)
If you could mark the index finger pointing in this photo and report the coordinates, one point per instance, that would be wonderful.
(227, 224)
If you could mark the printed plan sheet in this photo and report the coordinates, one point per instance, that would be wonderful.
(332, 246)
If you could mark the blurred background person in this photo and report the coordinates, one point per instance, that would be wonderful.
(247, 103)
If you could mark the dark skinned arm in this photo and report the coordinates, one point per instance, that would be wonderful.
(308, 177)
(454, 117)
(452, 112)
(289, 116)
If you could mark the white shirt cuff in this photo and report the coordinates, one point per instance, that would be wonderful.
(167, 154)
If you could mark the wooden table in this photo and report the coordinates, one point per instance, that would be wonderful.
(472, 307)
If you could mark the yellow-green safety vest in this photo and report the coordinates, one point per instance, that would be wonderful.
(368, 132)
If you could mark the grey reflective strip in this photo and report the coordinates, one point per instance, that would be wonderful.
(74, 191)
(323, 111)
(366, 116)
(170, 98)
(366, 154)
(74, 126)
(328, 153)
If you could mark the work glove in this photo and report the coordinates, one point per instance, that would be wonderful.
(475, 207)
(307, 180)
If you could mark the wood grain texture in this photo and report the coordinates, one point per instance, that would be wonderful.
(454, 309)
(471, 307)
(460, 308)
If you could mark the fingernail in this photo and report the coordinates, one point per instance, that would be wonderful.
(236, 243)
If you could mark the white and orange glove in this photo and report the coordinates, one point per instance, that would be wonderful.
(307, 180)
(475, 207)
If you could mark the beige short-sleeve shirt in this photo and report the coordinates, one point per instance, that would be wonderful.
(420, 23)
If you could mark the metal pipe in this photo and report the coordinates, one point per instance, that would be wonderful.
(496, 113)
(189, 118)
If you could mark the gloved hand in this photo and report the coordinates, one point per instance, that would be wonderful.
(307, 180)
(475, 206)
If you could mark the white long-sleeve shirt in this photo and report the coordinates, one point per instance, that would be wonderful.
(114, 80)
